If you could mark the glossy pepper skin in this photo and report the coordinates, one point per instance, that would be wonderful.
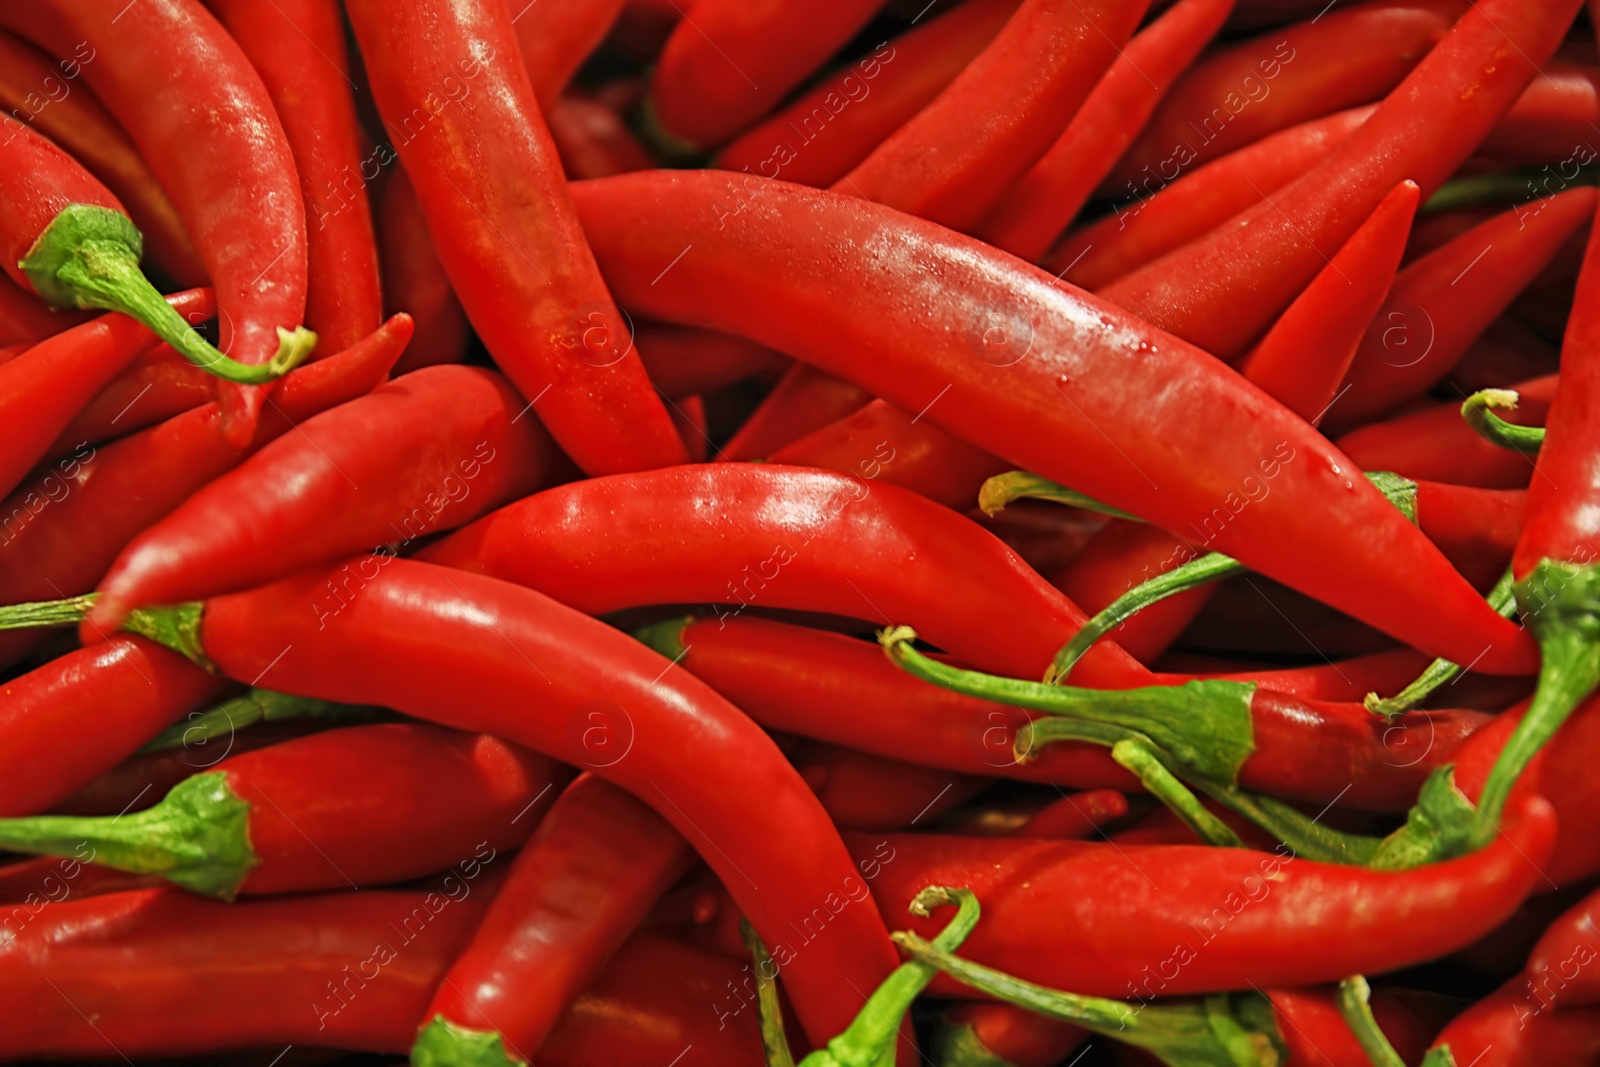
(76, 717)
(1003, 356)
(1559, 971)
(517, 259)
(1424, 130)
(402, 634)
(65, 526)
(1082, 915)
(80, 124)
(297, 46)
(576, 891)
(358, 806)
(43, 388)
(419, 455)
(1512, 1027)
(202, 119)
(154, 387)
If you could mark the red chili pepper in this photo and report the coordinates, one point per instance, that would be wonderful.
(402, 634)
(684, 361)
(1424, 130)
(155, 386)
(735, 59)
(595, 866)
(1234, 97)
(24, 318)
(297, 46)
(804, 400)
(881, 442)
(1436, 443)
(1560, 971)
(44, 387)
(423, 454)
(828, 130)
(865, 792)
(362, 805)
(1508, 1028)
(414, 280)
(592, 140)
(1314, 1031)
(61, 530)
(555, 39)
(1034, 211)
(188, 97)
(27, 887)
(1442, 302)
(1551, 122)
(490, 185)
(985, 358)
(74, 718)
(1077, 816)
(1170, 208)
(1170, 920)
(953, 160)
(40, 93)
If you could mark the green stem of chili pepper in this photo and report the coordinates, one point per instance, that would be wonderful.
(1139, 758)
(257, 705)
(1004, 489)
(1479, 411)
(176, 626)
(1503, 599)
(1353, 1005)
(774, 1042)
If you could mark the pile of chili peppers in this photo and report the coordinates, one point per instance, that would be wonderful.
(627, 533)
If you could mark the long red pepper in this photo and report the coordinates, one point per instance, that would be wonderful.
(1442, 302)
(1141, 922)
(402, 634)
(734, 59)
(44, 387)
(297, 46)
(1169, 207)
(460, 108)
(1432, 121)
(951, 162)
(826, 131)
(803, 400)
(1001, 355)
(1035, 210)
(62, 529)
(1512, 1028)
(594, 867)
(1350, 55)
(155, 386)
(190, 100)
(422, 454)
(414, 280)
(67, 722)
(42, 94)
(363, 805)
(555, 39)
(1559, 972)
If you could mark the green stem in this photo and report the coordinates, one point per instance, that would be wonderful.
(1503, 599)
(870, 1040)
(1357, 1011)
(1479, 411)
(176, 626)
(1003, 489)
(443, 1043)
(255, 706)
(769, 1012)
(1140, 759)
(88, 257)
(1205, 1033)
(197, 837)
(1207, 725)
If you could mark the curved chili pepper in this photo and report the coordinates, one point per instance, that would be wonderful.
(1559, 970)
(44, 387)
(985, 355)
(35, 91)
(1034, 211)
(1424, 130)
(881, 442)
(1083, 916)
(352, 806)
(1443, 301)
(829, 129)
(683, 361)
(427, 452)
(735, 59)
(402, 634)
(155, 386)
(297, 46)
(61, 530)
(518, 260)
(414, 280)
(595, 866)
(804, 400)
(67, 722)
(592, 140)
(959, 154)
(188, 97)
(862, 791)
(67, 239)
(1510, 1028)
(1347, 57)
(1171, 208)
